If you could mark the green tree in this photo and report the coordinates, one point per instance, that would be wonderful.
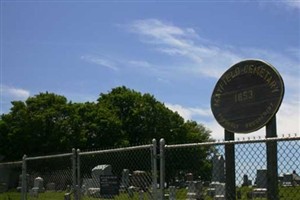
(14, 131)
(142, 117)
(36, 126)
(47, 123)
(97, 126)
(197, 132)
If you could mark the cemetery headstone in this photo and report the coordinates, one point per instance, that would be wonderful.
(195, 190)
(125, 179)
(93, 184)
(141, 195)
(259, 193)
(280, 179)
(261, 178)
(287, 180)
(246, 181)
(131, 192)
(296, 179)
(216, 190)
(189, 177)
(172, 193)
(218, 172)
(140, 180)
(38, 185)
(98, 171)
(19, 187)
(261, 184)
(109, 185)
(191, 193)
(220, 191)
(50, 186)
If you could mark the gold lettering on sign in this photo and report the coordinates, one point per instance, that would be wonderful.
(227, 123)
(263, 73)
(227, 78)
(244, 96)
(260, 117)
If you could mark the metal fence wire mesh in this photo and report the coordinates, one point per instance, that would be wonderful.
(10, 179)
(124, 173)
(188, 176)
(182, 172)
(49, 176)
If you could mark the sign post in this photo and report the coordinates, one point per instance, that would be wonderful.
(230, 192)
(246, 98)
(272, 175)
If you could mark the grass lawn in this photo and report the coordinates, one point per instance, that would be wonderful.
(286, 193)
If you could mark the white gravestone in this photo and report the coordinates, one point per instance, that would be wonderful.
(39, 184)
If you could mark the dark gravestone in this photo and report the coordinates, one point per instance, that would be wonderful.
(109, 185)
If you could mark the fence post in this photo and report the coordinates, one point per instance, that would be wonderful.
(24, 179)
(162, 167)
(230, 186)
(154, 169)
(74, 187)
(272, 168)
(78, 175)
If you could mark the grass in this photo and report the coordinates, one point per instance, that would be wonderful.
(285, 193)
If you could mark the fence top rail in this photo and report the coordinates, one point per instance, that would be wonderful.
(244, 141)
(49, 156)
(117, 149)
(11, 163)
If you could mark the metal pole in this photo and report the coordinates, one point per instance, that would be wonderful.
(230, 192)
(24, 179)
(162, 167)
(272, 175)
(154, 169)
(78, 175)
(74, 173)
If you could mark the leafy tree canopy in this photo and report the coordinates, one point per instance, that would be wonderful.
(47, 123)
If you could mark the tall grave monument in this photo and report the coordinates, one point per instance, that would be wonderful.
(245, 99)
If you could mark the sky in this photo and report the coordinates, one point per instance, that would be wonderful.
(174, 50)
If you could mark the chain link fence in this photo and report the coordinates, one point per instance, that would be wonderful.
(188, 176)
(10, 180)
(154, 171)
(124, 173)
(51, 176)
(42, 177)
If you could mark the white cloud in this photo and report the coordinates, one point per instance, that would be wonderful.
(292, 3)
(10, 93)
(189, 113)
(287, 120)
(14, 93)
(286, 4)
(140, 63)
(201, 56)
(289, 117)
(176, 41)
(206, 59)
(98, 60)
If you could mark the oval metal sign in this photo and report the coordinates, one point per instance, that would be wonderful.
(247, 96)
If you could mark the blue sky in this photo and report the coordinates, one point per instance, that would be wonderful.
(175, 50)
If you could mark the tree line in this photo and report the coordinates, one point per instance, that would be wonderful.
(48, 123)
